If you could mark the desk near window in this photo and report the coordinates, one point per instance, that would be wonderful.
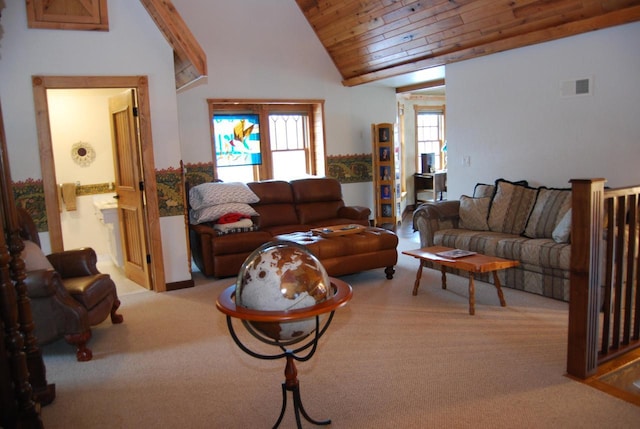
(433, 183)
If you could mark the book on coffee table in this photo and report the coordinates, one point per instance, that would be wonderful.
(332, 231)
(455, 253)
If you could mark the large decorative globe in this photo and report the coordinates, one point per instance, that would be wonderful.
(282, 276)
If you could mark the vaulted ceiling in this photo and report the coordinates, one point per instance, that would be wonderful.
(378, 40)
(371, 40)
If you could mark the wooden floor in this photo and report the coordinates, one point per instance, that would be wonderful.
(404, 230)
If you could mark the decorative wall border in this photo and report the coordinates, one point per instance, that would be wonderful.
(95, 189)
(170, 192)
(29, 194)
(198, 173)
(350, 168)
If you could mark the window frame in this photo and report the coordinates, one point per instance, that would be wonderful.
(438, 109)
(315, 152)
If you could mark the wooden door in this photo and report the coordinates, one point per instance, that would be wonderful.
(129, 186)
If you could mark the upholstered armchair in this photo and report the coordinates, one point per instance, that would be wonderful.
(68, 294)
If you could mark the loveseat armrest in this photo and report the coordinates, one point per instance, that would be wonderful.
(431, 217)
(75, 263)
(354, 212)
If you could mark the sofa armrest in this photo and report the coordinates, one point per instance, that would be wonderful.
(75, 263)
(203, 229)
(354, 212)
(431, 217)
(41, 283)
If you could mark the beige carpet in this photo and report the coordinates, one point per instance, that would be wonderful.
(389, 360)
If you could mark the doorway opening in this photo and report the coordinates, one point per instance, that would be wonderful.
(147, 219)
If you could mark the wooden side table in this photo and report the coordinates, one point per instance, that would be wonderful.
(476, 263)
(433, 183)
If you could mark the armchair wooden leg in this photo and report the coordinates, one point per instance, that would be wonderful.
(116, 318)
(83, 353)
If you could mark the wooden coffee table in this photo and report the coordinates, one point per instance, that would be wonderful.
(472, 264)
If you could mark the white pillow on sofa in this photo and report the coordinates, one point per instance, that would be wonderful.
(212, 213)
(209, 194)
(474, 213)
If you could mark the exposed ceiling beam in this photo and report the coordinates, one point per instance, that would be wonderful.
(190, 61)
(417, 86)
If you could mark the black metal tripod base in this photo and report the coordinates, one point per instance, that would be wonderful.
(298, 408)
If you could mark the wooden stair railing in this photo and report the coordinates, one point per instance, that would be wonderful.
(604, 302)
(22, 373)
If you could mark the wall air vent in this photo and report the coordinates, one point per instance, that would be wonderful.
(570, 88)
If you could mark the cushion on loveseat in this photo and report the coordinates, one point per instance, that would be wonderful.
(562, 231)
(550, 207)
(482, 190)
(510, 207)
(474, 213)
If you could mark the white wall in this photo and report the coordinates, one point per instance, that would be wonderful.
(506, 113)
(265, 49)
(132, 46)
(82, 115)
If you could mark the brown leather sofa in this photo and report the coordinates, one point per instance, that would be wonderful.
(285, 208)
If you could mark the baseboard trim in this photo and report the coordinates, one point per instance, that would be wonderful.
(180, 285)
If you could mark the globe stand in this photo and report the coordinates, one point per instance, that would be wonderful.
(293, 385)
(226, 304)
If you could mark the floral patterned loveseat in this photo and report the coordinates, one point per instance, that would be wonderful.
(509, 220)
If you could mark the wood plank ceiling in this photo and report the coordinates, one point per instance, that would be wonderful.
(370, 40)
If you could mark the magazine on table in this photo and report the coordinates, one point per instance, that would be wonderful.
(455, 253)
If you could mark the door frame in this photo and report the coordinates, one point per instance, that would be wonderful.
(47, 165)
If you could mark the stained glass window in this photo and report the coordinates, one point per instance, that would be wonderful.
(237, 139)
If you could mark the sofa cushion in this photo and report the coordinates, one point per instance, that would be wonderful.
(510, 207)
(317, 199)
(272, 191)
(315, 189)
(212, 213)
(474, 213)
(270, 215)
(486, 190)
(485, 242)
(546, 253)
(208, 194)
(316, 213)
(562, 231)
(543, 252)
(550, 207)
(276, 203)
(242, 242)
